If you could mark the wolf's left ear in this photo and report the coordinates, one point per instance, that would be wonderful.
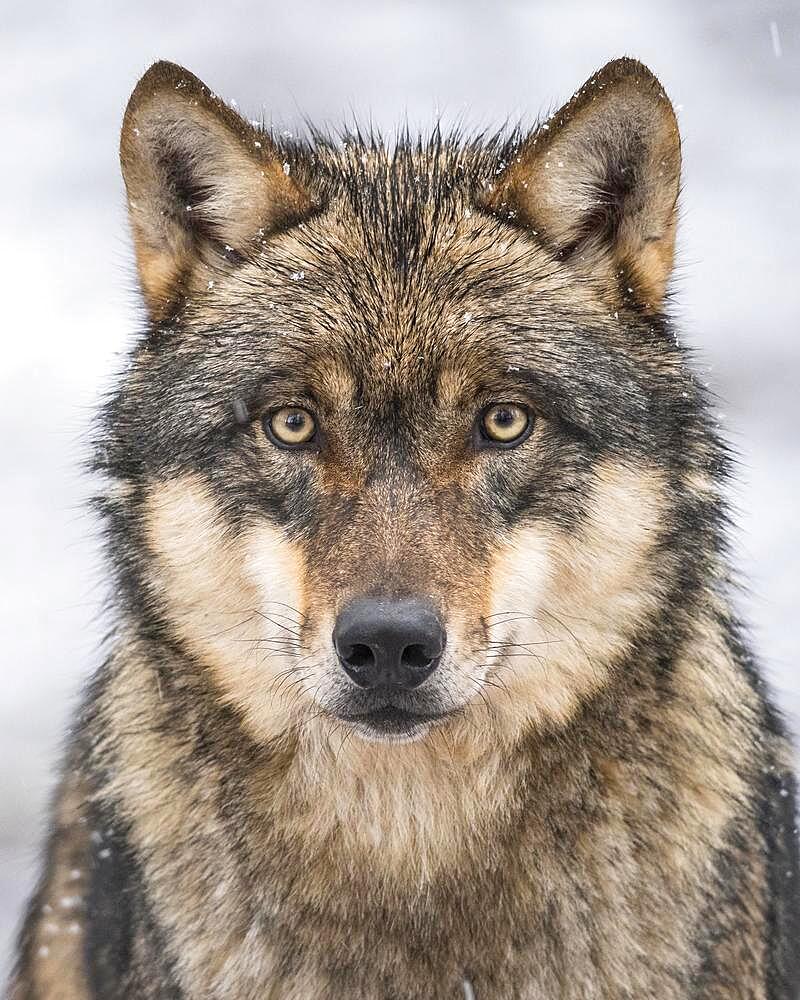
(201, 182)
(599, 180)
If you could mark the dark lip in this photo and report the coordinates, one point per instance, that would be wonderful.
(391, 719)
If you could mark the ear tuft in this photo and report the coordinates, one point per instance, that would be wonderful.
(199, 179)
(601, 178)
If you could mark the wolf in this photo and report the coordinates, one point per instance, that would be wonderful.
(426, 679)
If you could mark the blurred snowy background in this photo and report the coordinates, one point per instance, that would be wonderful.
(69, 307)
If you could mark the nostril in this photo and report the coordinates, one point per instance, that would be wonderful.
(359, 657)
(416, 657)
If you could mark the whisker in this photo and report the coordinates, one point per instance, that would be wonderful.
(278, 624)
(301, 617)
(575, 639)
(228, 628)
(509, 644)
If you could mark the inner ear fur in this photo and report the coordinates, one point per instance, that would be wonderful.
(599, 181)
(201, 182)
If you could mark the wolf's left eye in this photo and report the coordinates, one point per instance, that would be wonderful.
(290, 427)
(505, 424)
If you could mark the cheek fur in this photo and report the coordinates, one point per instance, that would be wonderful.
(573, 603)
(235, 603)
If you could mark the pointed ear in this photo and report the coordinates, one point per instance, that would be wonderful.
(199, 179)
(599, 181)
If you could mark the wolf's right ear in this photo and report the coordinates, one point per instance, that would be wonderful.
(201, 181)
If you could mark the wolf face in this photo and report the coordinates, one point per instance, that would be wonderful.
(408, 448)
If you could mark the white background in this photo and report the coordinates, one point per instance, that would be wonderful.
(69, 307)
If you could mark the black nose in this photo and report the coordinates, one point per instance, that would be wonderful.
(388, 643)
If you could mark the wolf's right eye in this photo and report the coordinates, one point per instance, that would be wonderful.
(290, 427)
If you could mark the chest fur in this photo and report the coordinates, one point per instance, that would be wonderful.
(579, 866)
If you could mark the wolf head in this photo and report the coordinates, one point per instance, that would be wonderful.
(408, 445)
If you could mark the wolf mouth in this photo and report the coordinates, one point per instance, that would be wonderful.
(393, 723)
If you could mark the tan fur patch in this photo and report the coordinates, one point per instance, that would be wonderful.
(230, 599)
(409, 810)
(170, 817)
(571, 603)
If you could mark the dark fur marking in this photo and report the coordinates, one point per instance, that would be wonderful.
(778, 825)
(119, 916)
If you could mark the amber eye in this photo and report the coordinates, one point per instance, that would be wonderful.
(506, 424)
(290, 426)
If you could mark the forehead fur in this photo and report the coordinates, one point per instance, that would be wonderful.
(405, 190)
(400, 273)
(410, 220)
